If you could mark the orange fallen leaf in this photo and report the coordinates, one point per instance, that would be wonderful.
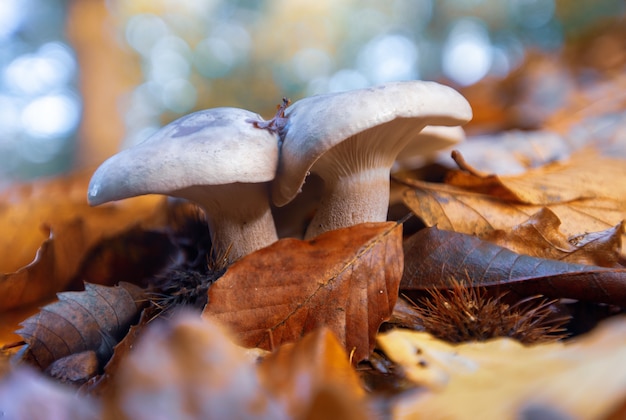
(346, 280)
(188, 367)
(48, 227)
(540, 237)
(455, 209)
(585, 175)
(298, 373)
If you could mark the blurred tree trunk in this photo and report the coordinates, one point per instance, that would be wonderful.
(106, 73)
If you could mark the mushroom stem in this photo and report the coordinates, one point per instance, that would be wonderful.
(343, 202)
(239, 217)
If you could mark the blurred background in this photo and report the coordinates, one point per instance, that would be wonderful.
(82, 79)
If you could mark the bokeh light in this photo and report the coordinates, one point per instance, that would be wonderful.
(38, 75)
(194, 54)
(387, 58)
(51, 116)
(467, 52)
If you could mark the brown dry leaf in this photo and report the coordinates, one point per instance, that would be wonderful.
(498, 379)
(100, 384)
(188, 367)
(298, 374)
(540, 237)
(434, 258)
(47, 227)
(585, 175)
(454, 209)
(346, 280)
(95, 319)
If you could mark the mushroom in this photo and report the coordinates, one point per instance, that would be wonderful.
(351, 139)
(214, 158)
(430, 140)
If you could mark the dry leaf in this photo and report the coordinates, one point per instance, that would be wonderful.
(100, 384)
(433, 258)
(299, 373)
(346, 280)
(454, 209)
(94, 319)
(188, 368)
(50, 271)
(585, 175)
(540, 237)
(47, 228)
(501, 378)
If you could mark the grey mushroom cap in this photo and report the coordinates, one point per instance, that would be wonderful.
(212, 147)
(216, 158)
(397, 111)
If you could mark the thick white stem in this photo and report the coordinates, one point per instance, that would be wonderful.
(352, 199)
(243, 235)
(238, 215)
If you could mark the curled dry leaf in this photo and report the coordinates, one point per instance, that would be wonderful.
(346, 280)
(585, 175)
(47, 227)
(50, 271)
(98, 385)
(540, 237)
(300, 373)
(188, 368)
(454, 209)
(94, 319)
(501, 378)
(435, 257)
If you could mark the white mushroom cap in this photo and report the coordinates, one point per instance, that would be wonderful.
(430, 140)
(215, 158)
(351, 140)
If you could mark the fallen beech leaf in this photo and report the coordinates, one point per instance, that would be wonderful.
(297, 373)
(94, 319)
(100, 384)
(51, 270)
(47, 227)
(188, 368)
(346, 280)
(540, 237)
(433, 258)
(501, 378)
(585, 175)
(454, 209)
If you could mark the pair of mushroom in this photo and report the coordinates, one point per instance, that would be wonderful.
(228, 159)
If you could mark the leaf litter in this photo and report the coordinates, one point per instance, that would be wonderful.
(505, 211)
